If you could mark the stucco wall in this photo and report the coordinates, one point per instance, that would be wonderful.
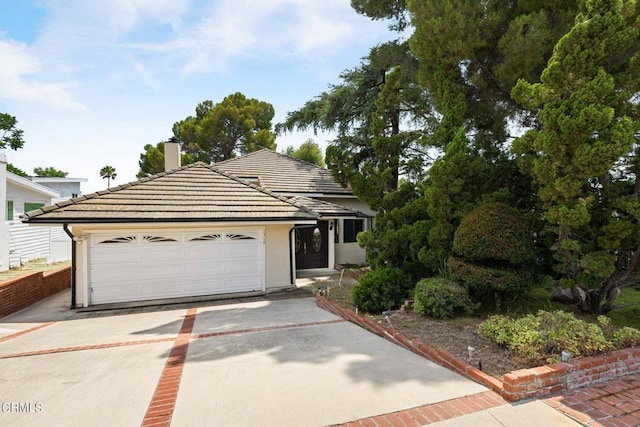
(277, 255)
(349, 253)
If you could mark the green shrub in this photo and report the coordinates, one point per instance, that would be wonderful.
(441, 298)
(545, 335)
(494, 231)
(484, 280)
(626, 337)
(381, 289)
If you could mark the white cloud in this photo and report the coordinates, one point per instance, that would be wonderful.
(19, 75)
(226, 31)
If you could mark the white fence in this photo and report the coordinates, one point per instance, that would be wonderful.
(28, 243)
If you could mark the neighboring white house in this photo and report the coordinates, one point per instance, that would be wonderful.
(67, 188)
(20, 243)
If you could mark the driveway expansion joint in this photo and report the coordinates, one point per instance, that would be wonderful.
(267, 329)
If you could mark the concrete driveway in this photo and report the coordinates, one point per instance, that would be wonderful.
(269, 363)
(260, 362)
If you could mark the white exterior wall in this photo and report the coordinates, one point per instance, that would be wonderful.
(4, 227)
(66, 189)
(26, 242)
(277, 261)
(349, 253)
(20, 196)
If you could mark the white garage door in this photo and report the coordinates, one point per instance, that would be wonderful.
(132, 266)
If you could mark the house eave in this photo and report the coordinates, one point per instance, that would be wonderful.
(226, 221)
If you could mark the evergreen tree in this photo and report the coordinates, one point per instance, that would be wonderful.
(588, 124)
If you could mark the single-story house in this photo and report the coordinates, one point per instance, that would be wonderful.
(191, 231)
(20, 243)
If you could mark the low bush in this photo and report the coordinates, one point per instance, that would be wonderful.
(482, 280)
(381, 289)
(626, 337)
(545, 335)
(441, 298)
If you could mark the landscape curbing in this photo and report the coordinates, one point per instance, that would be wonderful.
(21, 292)
(516, 385)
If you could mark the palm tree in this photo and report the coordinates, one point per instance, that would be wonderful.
(108, 172)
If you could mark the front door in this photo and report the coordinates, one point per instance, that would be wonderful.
(312, 246)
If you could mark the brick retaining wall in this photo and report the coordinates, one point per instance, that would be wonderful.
(516, 385)
(21, 292)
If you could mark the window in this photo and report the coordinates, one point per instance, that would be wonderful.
(32, 206)
(9, 210)
(351, 229)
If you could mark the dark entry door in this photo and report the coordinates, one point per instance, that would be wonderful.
(312, 246)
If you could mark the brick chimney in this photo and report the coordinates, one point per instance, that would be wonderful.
(171, 154)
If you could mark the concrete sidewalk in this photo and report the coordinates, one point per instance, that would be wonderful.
(268, 362)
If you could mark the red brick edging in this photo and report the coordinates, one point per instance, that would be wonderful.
(516, 385)
(163, 403)
(26, 331)
(432, 413)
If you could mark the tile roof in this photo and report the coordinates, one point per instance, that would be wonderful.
(327, 209)
(283, 174)
(193, 193)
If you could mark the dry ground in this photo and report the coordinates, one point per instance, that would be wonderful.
(455, 336)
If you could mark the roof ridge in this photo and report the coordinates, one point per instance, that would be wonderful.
(302, 161)
(268, 150)
(231, 159)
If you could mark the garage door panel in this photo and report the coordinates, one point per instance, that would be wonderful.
(243, 284)
(129, 266)
(208, 251)
(242, 251)
(111, 273)
(111, 255)
(161, 253)
(241, 267)
(107, 294)
(169, 289)
(154, 271)
(207, 268)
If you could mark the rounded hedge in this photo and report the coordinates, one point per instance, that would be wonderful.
(381, 289)
(480, 279)
(441, 298)
(494, 231)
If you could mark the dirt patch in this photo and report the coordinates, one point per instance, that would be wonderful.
(459, 337)
(454, 336)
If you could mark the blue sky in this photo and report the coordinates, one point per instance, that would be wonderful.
(93, 81)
